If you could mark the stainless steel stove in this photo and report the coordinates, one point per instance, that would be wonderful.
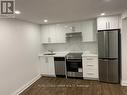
(74, 65)
(74, 56)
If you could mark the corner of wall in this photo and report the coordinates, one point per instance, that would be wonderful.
(25, 86)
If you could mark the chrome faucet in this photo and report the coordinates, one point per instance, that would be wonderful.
(50, 50)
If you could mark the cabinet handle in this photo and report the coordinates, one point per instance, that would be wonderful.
(89, 59)
(90, 65)
(109, 25)
(90, 73)
(49, 39)
(106, 25)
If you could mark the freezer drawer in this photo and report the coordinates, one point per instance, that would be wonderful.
(103, 70)
(113, 71)
(108, 70)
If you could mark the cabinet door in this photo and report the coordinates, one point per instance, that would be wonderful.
(102, 23)
(51, 66)
(60, 34)
(52, 33)
(113, 22)
(89, 31)
(83, 65)
(45, 34)
(44, 66)
(90, 67)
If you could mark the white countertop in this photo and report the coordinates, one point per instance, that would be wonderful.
(57, 54)
(89, 55)
(63, 54)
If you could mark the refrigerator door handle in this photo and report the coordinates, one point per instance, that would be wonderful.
(104, 42)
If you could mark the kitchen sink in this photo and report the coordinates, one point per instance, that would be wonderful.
(49, 53)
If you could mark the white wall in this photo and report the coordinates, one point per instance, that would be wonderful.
(124, 52)
(19, 48)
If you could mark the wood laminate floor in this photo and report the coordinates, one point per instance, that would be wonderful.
(62, 86)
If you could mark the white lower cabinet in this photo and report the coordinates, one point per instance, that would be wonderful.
(90, 74)
(47, 66)
(90, 67)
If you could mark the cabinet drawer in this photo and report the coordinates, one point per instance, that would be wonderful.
(91, 65)
(91, 73)
(91, 58)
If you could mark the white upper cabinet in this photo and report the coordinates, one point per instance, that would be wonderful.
(89, 30)
(111, 22)
(45, 34)
(102, 23)
(60, 34)
(54, 33)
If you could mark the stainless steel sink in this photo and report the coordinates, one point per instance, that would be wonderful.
(49, 53)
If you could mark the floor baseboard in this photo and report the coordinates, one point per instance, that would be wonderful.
(124, 83)
(24, 87)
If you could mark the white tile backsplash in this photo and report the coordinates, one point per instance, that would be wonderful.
(72, 44)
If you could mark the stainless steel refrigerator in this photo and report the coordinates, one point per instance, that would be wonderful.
(109, 55)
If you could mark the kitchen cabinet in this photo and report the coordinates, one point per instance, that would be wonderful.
(73, 27)
(54, 33)
(109, 22)
(90, 67)
(45, 35)
(89, 30)
(47, 66)
(60, 34)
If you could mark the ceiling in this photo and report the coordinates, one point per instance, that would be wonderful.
(66, 10)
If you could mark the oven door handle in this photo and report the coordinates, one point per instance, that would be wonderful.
(77, 60)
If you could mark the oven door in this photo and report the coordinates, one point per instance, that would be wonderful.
(73, 65)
